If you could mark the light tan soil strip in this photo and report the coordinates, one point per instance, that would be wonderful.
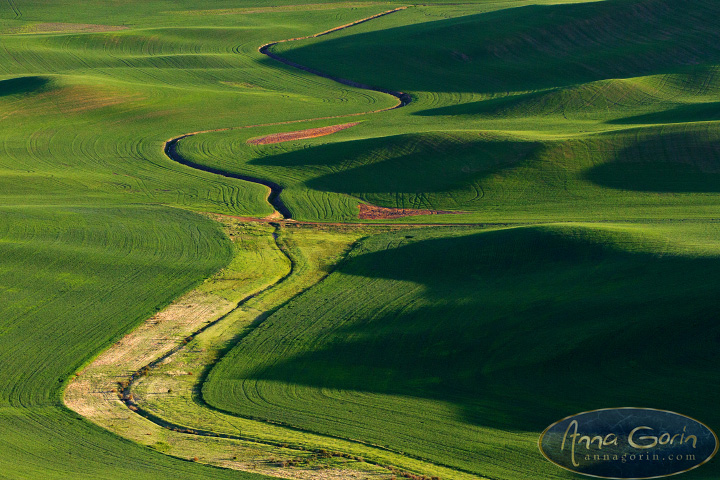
(95, 394)
(171, 400)
(300, 134)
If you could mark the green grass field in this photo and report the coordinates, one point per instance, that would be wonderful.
(461, 346)
(524, 136)
(580, 139)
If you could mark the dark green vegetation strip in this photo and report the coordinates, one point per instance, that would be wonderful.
(275, 189)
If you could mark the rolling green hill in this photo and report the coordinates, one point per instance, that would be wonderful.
(512, 118)
(460, 346)
(522, 49)
(582, 135)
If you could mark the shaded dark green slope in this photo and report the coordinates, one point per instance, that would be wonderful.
(673, 159)
(526, 48)
(406, 171)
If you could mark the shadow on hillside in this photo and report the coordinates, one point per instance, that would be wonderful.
(406, 165)
(526, 48)
(519, 328)
(561, 101)
(672, 162)
(22, 85)
(661, 178)
(491, 107)
(696, 112)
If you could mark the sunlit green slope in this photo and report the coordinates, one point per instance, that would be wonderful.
(90, 245)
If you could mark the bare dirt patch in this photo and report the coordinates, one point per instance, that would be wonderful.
(56, 27)
(83, 98)
(300, 134)
(372, 212)
(283, 8)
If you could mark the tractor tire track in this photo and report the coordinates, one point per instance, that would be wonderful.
(14, 8)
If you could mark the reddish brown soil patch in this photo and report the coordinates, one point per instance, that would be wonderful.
(283, 8)
(57, 27)
(371, 212)
(299, 134)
